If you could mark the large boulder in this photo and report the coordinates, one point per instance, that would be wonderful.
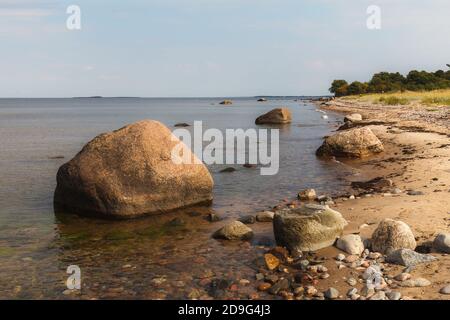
(391, 235)
(276, 116)
(307, 228)
(353, 143)
(129, 172)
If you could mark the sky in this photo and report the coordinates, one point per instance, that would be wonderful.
(212, 48)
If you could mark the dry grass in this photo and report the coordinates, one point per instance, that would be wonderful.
(431, 98)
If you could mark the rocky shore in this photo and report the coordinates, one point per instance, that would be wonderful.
(396, 243)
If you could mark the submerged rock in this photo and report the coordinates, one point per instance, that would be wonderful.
(391, 235)
(265, 216)
(129, 172)
(307, 228)
(235, 230)
(408, 257)
(350, 243)
(275, 116)
(247, 219)
(353, 143)
(226, 102)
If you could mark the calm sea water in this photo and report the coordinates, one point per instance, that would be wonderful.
(128, 259)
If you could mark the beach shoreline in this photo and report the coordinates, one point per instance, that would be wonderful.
(416, 158)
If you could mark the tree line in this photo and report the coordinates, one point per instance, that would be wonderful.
(383, 82)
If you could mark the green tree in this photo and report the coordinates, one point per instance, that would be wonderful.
(339, 88)
(357, 87)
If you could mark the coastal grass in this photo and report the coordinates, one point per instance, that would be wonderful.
(428, 98)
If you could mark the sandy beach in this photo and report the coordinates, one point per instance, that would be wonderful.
(416, 158)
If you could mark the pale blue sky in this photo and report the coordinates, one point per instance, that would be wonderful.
(212, 47)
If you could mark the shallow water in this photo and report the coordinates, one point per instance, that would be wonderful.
(148, 257)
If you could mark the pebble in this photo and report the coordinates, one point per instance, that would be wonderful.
(355, 297)
(265, 216)
(264, 286)
(279, 286)
(272, 262)
(394, 295)
(352, 281)
(324, 276)
(331, 293)
(259, 276)
(271, 278)
(310, 290)
(244, 282)
(374, 255)
(340, 257)
(299, 291)
(414, 193)
(403, 276)
(367, 291)
(445, 290)
(380, 295)
(352, 292)
(247, 219)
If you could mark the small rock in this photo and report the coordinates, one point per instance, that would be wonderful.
(350, 243)
(374, 255)
(393, 295)
(413, 283)
(259, 276)
(380, 295)
(324, 276)
(310, 290)
(331, 293)
(408, 257)
(396, 191)
(280, 285)
(182, 124)
(442, 242)
(235, 230)
(213, 217)
(244, 282)
(367, 291)
(271, 278)
(247, 219)
(352, 292)
(340, 257)
(272, 262)
(352, 281)
(308, 194)
(445, 290)
(414, 193)
(265, 216)
(229, 169)
(402, 276)
(264, 286)
(391, 235)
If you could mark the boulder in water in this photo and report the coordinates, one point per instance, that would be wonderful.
(275, 116)
(307, 228)
(353, 143)
(129, 172)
